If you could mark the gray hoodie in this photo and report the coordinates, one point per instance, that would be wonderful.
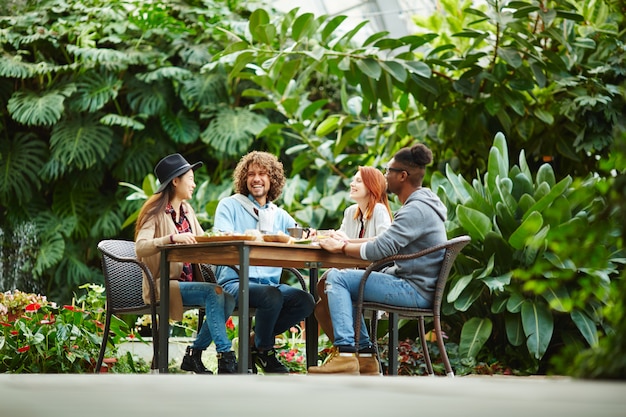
(417, 225)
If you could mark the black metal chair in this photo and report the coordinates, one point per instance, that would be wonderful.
(452, 248)
(123, 277)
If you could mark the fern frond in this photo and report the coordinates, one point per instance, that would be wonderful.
(80, 142)
(14, 67)
(168, 73)
(181, 127)
(232, 130)
(204, 90)
(123, 121)
(149, 99)
(22, 158)
(95, 91)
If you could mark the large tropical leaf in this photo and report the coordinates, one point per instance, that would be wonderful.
(474, 221)
(150, 99)
(586, 326)
(34, 109)
(80, 141)
(95, 91)
(14, 67)
(232, 130)
(21, 158)
(514, 329)
(204, 90)
(50, 252)
(182, 127)
(474, 334)
(538, 327)
(123, 121)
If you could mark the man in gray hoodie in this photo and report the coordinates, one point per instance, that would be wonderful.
(418, 224)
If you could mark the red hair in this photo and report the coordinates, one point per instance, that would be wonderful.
(376, 184)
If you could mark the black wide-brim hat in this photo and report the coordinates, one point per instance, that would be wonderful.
(170, 167)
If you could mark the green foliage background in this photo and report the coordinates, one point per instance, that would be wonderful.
(93, 93)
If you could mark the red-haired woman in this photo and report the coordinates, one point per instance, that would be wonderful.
(369, 217)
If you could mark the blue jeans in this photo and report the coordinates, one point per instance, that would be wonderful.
(342, 290)
(278, 307)
(218, 305)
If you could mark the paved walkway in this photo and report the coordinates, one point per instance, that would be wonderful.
(306, 395)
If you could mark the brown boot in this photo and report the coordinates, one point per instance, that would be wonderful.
(338, 363)
(368, 364)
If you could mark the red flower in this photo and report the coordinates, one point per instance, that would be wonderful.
(5, 324)
(70, 308)
(229, 324)
(33, 307)
(14, 332)
(23, 349)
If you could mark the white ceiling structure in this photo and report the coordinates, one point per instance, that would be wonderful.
(393, 16)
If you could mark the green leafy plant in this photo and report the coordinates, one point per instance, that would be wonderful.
(519, 293)
(37, 336)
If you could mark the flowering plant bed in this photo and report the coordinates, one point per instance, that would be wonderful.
(37, 336)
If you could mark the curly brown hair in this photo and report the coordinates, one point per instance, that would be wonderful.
(266, 161)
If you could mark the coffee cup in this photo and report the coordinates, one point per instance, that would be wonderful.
(295, 232)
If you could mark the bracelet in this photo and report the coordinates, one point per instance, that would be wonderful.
(343, 247)
(172, 238)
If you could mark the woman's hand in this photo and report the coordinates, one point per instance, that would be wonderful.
(332, 245)
(336, 234)
(187, 238)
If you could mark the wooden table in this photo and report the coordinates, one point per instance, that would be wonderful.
(246, 253)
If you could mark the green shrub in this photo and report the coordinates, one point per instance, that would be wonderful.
(520, 291)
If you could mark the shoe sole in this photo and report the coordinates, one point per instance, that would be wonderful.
(336, 373)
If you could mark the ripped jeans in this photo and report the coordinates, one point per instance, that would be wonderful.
(218, 305)
(342, 289)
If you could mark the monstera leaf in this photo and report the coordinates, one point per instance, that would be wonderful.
(95, 91)
(80, 141)
(181, 126)
(22, 158)
(34, 109)
(232, 130)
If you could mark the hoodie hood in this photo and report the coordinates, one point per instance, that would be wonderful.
(426, 196)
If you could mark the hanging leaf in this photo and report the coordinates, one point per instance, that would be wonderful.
(474, 334)
(538, 327)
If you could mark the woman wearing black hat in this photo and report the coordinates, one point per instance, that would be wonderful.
(165, 218)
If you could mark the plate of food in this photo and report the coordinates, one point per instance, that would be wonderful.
(224, 238)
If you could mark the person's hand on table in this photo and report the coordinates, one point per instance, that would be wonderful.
(333, 245)
(187, 238)
(336, 234)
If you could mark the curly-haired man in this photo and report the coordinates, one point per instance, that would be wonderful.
(258, 181)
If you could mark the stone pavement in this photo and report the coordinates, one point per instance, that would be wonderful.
(306, 395)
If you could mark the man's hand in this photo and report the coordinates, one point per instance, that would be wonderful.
(332, 245)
